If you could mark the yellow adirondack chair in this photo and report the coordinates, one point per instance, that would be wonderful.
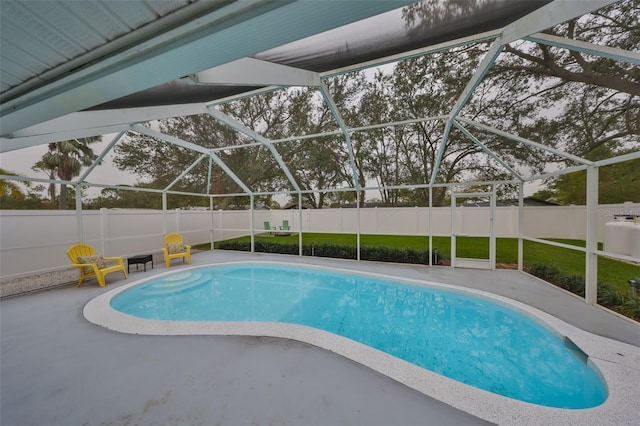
(174, 247)
(84, 258)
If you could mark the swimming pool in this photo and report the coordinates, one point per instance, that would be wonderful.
(469, 339)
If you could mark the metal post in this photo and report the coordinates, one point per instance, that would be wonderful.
(358, 228)
(253, 231)
(300, 225)
(453, 229)
(492, 231)
(213, 230)
(591, 261)
(430, 223)
(79, 228)
(164, 213)
(520, 222)
(104, 219)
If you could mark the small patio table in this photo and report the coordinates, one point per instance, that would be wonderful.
(141, 258)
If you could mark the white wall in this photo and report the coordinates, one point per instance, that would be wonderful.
(36, 241)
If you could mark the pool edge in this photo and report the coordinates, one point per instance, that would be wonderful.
(620, 377)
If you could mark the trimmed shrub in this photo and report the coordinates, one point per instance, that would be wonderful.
(336, 251)
(607, 295)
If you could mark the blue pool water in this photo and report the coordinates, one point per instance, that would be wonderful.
(469, 339)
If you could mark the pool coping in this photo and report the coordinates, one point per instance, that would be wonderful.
(617, 362)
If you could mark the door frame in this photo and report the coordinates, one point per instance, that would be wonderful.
(459, 262)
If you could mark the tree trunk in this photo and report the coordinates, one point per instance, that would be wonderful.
(63, 197)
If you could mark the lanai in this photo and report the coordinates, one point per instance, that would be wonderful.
(149, 61)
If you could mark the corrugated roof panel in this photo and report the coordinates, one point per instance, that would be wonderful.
(106, 24)
(19, 62)
(133, 14)
(35, 53)
(28, 31)
(48, 26)
(163, 8)
(39, 36)
(79, 23)
(9, 74)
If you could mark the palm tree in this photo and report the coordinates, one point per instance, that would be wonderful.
(66, 159)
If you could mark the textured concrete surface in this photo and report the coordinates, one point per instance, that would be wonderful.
(56, 368)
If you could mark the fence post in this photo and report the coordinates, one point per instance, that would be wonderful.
(104, 231)
(178, 219)
(220, 224)
(164, 213)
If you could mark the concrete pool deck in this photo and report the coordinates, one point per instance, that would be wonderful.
(56, 368)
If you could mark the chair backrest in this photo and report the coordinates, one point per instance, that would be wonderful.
(285, 224)
(173, 239)
(79, 250)
(267, 226)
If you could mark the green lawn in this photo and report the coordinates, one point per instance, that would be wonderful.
(613, 272)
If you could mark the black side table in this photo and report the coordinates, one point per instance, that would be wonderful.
(141, 258)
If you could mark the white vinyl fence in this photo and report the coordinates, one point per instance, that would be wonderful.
(36, 241)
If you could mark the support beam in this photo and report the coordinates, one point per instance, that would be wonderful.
(591, 261)
(487, 150)
(189, 145)
(254, 72)
(557, 173)
(520, 225)
(101, 156)
(79, 222)
(486, 63)
(216, 37)
(619, 159)
(588, 48)
(343, 127)
(554, 13)
(209, 173)
(168, 138)
(90, 120)
(187, 170)
(235, 124)
(526, 141)
(440, 154)
(12, 144)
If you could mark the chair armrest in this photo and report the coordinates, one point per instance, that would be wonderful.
(93, 266)
(117, 259)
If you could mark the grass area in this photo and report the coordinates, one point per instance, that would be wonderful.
(613, 272)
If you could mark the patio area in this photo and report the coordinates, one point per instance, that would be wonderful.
(59, 369)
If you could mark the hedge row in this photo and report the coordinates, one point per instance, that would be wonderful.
(607, 295)
(376, 253)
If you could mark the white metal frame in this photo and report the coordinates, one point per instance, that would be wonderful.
(36, 122)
